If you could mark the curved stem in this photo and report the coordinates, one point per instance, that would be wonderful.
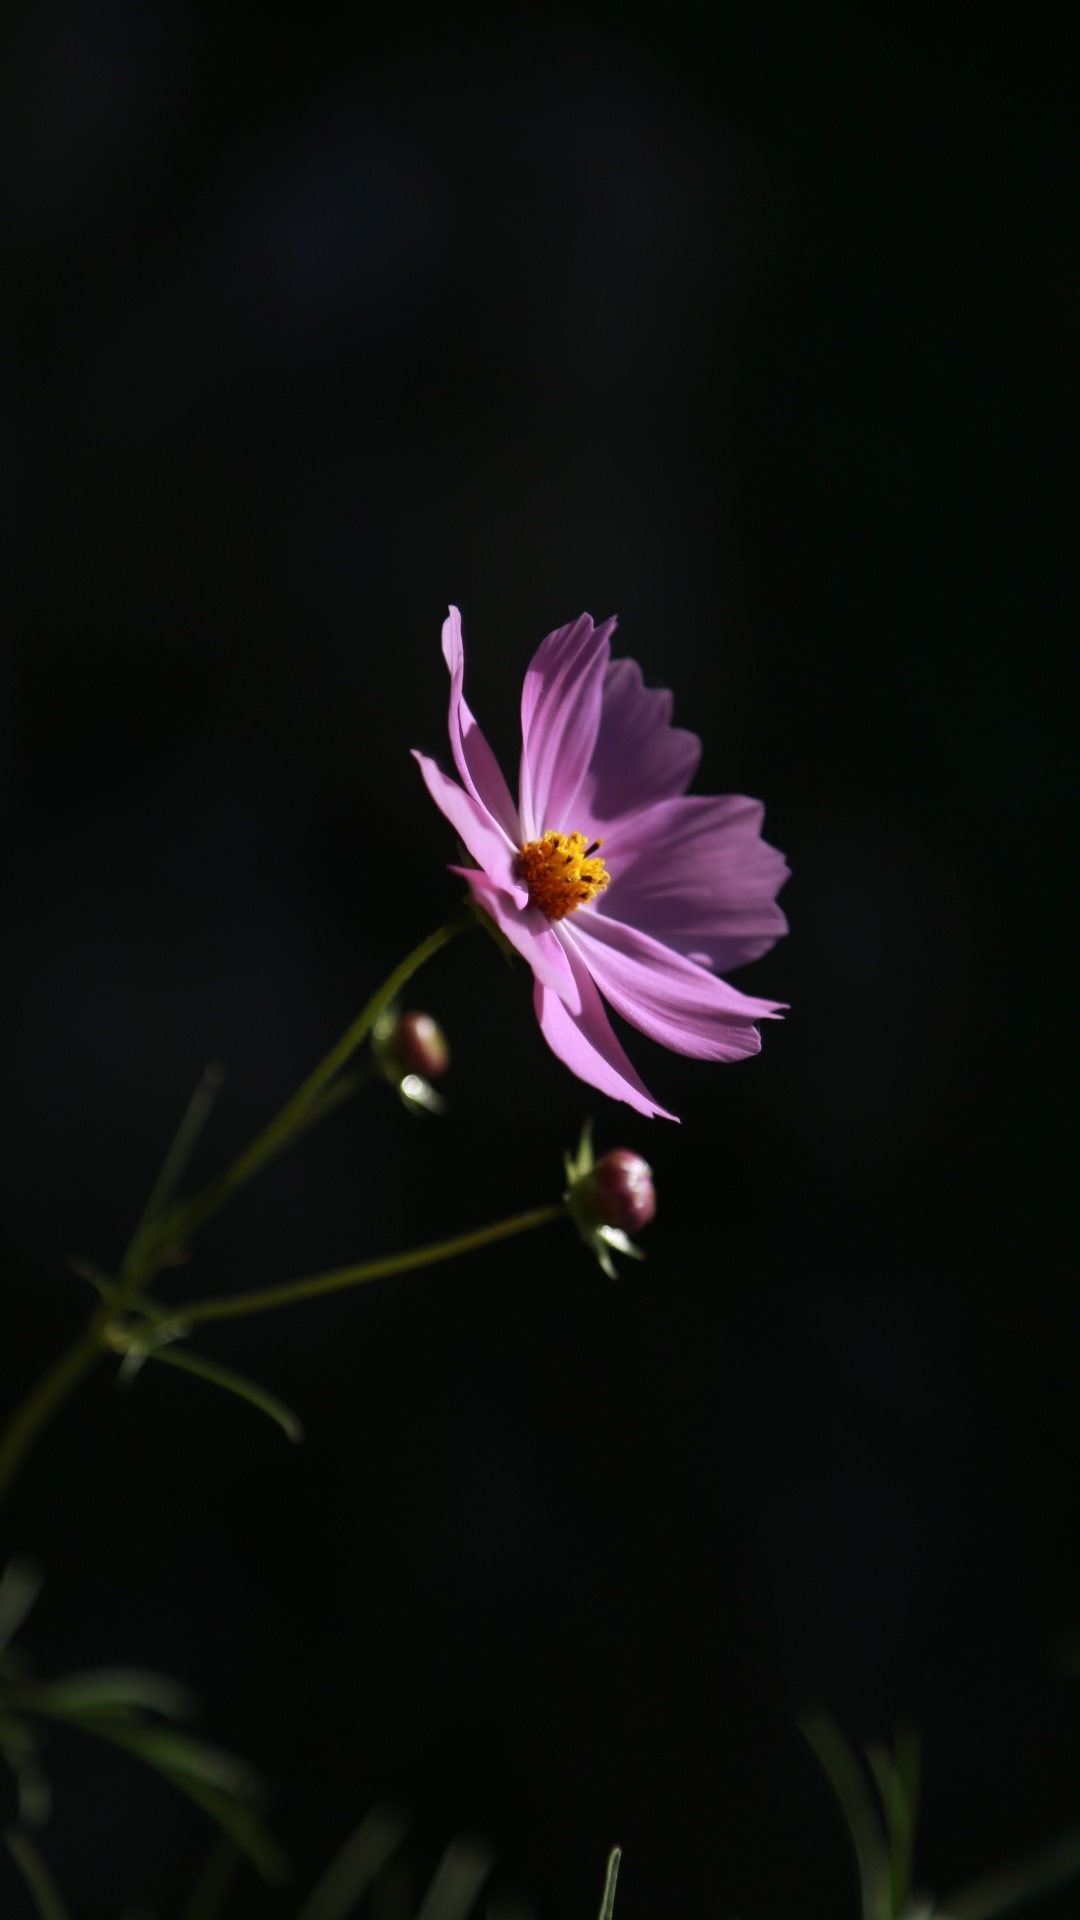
(337, 1093)
(235, 1305)
(154, 1239)
(50, 1393)
(180, 1225)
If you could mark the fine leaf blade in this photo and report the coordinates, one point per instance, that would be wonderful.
(20, 1750)
(178, 1754)
(235, 1383)
(109, 1690)
(240, 1823)
(214, 1883)
(359, 1862)
(850, 1787)
(458, 1879)
(896, 1778)
(175, 1164)
(102, 1283)
(20, 1585)
(607, 1904)
(43, 1888)
(221, 1785)
(1013, 1886)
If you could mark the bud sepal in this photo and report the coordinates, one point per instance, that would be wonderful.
(608, 1199)
(411, 1050)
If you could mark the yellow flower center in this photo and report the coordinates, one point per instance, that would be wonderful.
(561, 873)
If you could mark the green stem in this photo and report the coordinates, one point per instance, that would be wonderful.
(337, 1093)
(50, 1393)
(176, 1160)
(157, 1236)
(146, 1251)
(235, 1305)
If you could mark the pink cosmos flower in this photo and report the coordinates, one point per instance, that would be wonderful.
(607, 877)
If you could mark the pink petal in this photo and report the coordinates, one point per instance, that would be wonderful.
(639, 757)
(560, 714)
(497, 888)
(529, 932)
(667, 997)
(587, 1045)
(473, 758)
(483, 836)
(696, 874)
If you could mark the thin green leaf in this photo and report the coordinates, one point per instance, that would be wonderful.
(176, 1160)
(236, 1383)
(351, 1872)
(458, 1879)
(393, 1895)
(15, 1736)
(216, 1781)
(176, 1753)
(20, 1750)
(20, 1585)
(338, 1091)
(102, 1283)
(108, 1689)
(607, 1904)
(907, 1758)
(1013, 1886)
(211, 1889)
(849, 1785)
(43, 1888)
(240, 1823)
(899, 1807)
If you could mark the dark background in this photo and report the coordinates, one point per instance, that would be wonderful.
(761, 333)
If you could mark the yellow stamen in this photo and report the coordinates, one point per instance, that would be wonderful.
(560, 873)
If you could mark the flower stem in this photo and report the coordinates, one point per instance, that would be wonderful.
(49, 1394)
(146, 1249)
(235, 1305)
(157, 1236)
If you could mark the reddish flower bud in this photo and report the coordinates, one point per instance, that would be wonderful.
(609, 1199)
(411, 1050)
(621, 1190)
(422, 1046)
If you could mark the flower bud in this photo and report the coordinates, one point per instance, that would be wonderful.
(621, 1191)
(411, 1050)
(422, 1046)
(609, 1199)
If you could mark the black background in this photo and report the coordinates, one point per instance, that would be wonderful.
(759, 331)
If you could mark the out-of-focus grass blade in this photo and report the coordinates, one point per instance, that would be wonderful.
(1013, 1886)
(393, 1894)
(108, 1689)
(244, 1389)
(43, 1887)
(102, 1283)
(19, 1748)
(220, 1784)
(458, 1879)
(240, 1823)
(20, 1585)
(897, 1777)
(177, 1754)
(849, 1785)
(225, 1787)
(211, 1889)
(351, 1872)
(175, 1163)
(607, 1904)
